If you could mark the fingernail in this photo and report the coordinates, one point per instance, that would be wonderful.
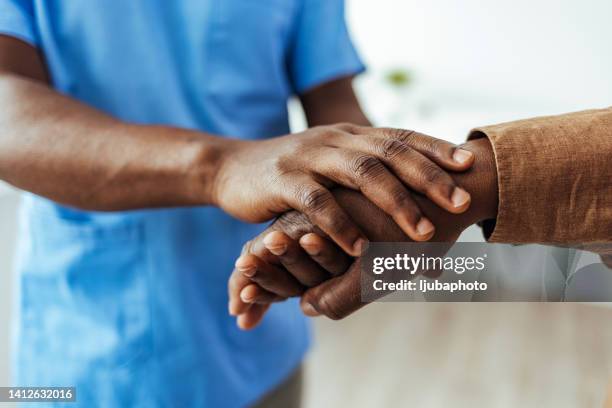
(245, 267)
(460, 197)
(359, 246)
(311, 250)
(248, 272)
(245, 297)
(277, 249)
(242, 262)
(462, 156)
(309, 310)
(425, 227)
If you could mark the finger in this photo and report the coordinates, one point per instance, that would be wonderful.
(269, 277)
(253, 317)
(369, 175)
(253, 293)
(259, 250)
(419, 172)
(335, 298)
(236, 283)
(325, 253)
(237, 306)
(295, 259)
(243, 292)
(410, 165)
(447, 155)
(314, 200)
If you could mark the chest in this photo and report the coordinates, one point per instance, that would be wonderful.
(119, 35)
(112, 53)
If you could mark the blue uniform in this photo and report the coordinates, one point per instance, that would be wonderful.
(131, 307)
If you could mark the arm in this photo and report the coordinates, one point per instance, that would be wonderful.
(57, 147)
(333, 102)
(559, 168)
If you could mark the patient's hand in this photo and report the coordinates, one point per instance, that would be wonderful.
(288, 258)
(292, 259)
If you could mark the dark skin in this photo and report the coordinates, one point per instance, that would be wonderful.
(292, 259)
(59, 148)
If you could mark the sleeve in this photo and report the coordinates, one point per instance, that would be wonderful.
(321, 49)
(554, 177)
(17, 20)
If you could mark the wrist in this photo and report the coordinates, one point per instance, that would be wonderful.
(212, 166)
(480, 181)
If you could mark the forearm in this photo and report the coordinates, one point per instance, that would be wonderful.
(333, 102)
(56, 147)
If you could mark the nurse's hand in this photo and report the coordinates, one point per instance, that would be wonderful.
(258, 180)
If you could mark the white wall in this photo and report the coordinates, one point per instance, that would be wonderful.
(519, 55)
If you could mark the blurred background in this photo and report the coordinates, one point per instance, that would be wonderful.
(443, 67)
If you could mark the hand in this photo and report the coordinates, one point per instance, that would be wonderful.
(274, 267)
(260, 278)
(277, 265)
(259, 180)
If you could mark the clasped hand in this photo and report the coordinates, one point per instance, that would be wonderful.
(295, 258)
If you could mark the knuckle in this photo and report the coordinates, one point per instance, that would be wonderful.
(367, 166)
(438, 148)
(330, 130)
(337, 222)
(296, 146)
(294, 223)
(391, 148)
(314, 199)
(431, 174)
(344, 126)
(283, 164)
(312, 133)
(400, 197)
(403, 135)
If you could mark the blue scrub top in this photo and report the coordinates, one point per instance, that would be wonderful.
(131, 307)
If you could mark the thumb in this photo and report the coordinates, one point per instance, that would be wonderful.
(335, 298)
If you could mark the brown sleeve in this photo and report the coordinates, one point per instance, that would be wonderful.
(555, 178)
